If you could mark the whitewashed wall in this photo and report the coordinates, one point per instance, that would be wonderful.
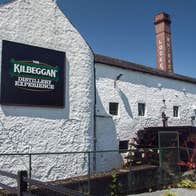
(36, 129)
(132, 88)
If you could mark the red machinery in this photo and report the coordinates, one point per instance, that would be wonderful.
(179, 140)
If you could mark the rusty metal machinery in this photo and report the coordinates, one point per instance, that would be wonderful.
(161, 145)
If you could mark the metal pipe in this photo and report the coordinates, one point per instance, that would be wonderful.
(89, 172)
(94, 125)
(30, 169)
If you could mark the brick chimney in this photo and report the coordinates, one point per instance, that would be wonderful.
(163, 42)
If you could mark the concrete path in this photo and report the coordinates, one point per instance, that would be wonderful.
(179, 192)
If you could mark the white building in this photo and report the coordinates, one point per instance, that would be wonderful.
(138, 86)
(44, 129)
(95, 117)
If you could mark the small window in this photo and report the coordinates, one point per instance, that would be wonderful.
(175, 111)
(123, 145)
(141, 109)
(113, 108)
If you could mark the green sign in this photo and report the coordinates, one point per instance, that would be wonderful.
(34, 69)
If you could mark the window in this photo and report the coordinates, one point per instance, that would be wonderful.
(113, 108)
(175, 111)
(123, 145)
(141, 109)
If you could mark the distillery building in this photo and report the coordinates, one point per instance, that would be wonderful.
(57, 95)
(130, 96)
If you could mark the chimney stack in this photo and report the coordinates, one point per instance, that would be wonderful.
(163, 42)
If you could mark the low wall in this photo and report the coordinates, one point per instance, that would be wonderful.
(134, 180)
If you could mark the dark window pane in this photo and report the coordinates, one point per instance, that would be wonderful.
(175, 111)
(141, 109)
(113, 108)
(123, 145)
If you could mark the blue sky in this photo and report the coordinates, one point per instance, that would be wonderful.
(124, 29)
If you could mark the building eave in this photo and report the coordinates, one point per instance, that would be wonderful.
(140, 68)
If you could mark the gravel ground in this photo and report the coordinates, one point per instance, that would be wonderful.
(179, 192)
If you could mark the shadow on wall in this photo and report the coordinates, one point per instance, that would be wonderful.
(107, 139)
(125, 102)
(43, 112)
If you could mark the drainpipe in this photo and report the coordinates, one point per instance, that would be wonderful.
(94, 128)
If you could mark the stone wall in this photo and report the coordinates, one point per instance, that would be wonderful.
(35, 129)
(132, 88)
